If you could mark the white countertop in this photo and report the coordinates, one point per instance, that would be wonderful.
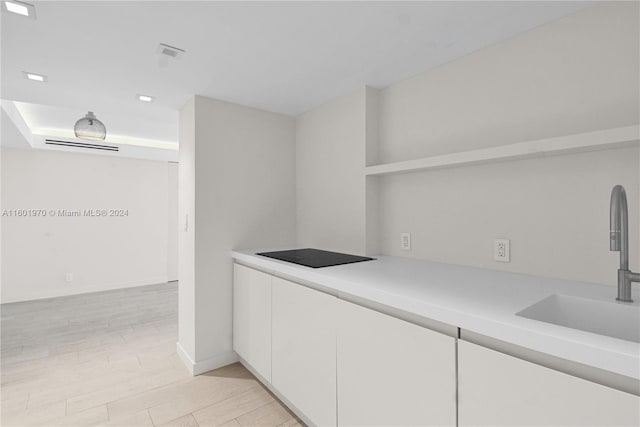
(473, 299)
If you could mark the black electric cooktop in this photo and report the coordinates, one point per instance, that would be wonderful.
(315, 258)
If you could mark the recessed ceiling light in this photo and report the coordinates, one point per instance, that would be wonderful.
(145, 98)
(20, 8)
(35, 77)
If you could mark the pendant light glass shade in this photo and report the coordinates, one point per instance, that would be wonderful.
(89, 127)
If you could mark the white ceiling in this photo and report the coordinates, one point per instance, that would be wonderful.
(137, 129)
(286, 57)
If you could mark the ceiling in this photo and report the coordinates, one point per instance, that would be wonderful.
(286, 57)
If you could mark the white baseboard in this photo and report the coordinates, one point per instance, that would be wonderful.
(202, 366)
(185, 358)
(78, 289)
(215, 362)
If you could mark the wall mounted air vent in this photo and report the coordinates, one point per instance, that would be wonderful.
(81, 145)
(170, 51)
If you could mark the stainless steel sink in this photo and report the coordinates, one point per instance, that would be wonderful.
(616, 320)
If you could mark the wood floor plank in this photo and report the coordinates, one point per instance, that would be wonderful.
(139, 419)
(194, 396)
(42, 415)
(90, 417)
(154, 397)
(227, 410)
(126, 389)
(109, 359)
(184, 421)
(293, 422)
(271, 414)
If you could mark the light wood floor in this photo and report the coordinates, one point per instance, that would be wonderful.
(109, 358)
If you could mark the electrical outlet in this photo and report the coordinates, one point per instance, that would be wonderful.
(501, 250)
(405, 241)
(69, 277)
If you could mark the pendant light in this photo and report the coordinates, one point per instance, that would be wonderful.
(89, 127)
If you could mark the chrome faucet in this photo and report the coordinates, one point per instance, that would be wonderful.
(619, 241)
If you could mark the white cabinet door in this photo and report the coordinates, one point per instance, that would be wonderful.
(304, 349)
(393, 373)
(252, 318)
(500, 390)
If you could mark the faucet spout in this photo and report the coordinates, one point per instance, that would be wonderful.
(619, 225)
(619, 241)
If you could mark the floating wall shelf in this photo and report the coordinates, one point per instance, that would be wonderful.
(582, 142)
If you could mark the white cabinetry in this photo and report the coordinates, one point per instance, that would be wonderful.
(391, 372)
(337, 362)
(500, 390)
(252, 318)
(304, 349)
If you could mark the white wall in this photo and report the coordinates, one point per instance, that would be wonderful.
(186, 239)
(173, 233)
(554, 210)
(237, 184)
(10, 135)
(102, 253)
(577, 74)
(330, 185)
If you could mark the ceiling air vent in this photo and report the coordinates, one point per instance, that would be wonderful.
(170, 51)
(81, 145)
